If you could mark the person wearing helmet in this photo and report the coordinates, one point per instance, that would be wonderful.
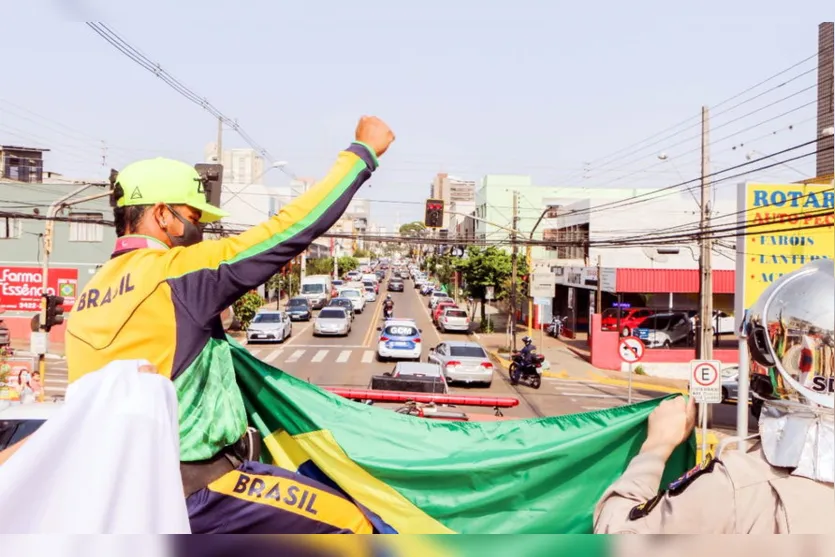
(783, 482)
(388, 306)
(527, 351)
(159, 298)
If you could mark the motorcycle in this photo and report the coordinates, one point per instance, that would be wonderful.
(529, 374)
(388, 313)
(556, 326)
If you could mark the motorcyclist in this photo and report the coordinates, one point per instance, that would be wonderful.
(527, 352)
(783, 482)
(159, 298)
(388, 305)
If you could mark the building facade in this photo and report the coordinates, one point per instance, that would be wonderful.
(21, 164)
(79, 248)
(451, 190)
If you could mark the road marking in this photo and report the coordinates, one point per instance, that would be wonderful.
(298, 334)
(368, 356)
(329, 344)
(343, 356)
(294, 357)
(320, 355)
(273, 355)
(372, 327)
(585, 395)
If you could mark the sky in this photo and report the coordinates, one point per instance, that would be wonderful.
(548, 89)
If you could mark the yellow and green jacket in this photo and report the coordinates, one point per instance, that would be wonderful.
(163, 305)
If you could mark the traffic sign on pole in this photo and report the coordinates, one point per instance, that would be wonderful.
(631, 349)
(705, 381)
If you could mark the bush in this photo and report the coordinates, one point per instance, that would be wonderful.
(639, 370)
(247, 306)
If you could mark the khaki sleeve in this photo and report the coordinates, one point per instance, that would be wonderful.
(705, 506)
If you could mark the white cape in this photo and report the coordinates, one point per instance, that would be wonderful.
(106, 463)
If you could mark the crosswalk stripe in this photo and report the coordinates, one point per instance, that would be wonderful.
(368, 356)
(273, 355)
(343, 356)
(294, 357)
(320, 355)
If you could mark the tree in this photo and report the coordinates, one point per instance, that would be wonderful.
(247, 306)
(412, 228)
(347, 263)
(489, 266)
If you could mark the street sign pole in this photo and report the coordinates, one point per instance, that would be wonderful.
(631, 350)
(706, 389)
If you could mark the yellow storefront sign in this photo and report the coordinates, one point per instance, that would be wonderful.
(782, 227)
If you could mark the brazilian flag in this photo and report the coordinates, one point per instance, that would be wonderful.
(417, 476)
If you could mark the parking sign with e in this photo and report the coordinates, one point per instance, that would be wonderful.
(705, 381)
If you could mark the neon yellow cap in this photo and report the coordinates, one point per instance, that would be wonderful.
(168, 181)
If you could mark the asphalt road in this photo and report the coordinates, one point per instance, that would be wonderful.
(350, 362)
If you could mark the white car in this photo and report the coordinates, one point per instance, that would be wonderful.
(370, 294)
(399, 340)
(356, 296)
(332, 321)
(269, 326)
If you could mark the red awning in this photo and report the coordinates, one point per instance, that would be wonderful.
(678, 281)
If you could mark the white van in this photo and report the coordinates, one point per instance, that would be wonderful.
(317, 289)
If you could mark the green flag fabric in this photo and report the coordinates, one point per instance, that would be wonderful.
(418, 476)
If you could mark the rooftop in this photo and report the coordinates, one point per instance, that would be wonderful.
(22, 148)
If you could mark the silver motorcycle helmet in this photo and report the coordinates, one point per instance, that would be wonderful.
(790, 332)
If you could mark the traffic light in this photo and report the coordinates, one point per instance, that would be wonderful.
(434, 213)
(54, 311)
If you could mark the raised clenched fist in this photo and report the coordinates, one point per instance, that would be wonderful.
(375, 133)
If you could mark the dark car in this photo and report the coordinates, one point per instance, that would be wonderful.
(343, 303)
(298, 309)
(395, 285)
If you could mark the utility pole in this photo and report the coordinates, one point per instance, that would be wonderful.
(705, 340)
(219, 140)
(598, 301)
(514, 260)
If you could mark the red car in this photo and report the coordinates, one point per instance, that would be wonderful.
(439, 309)
(629, 319)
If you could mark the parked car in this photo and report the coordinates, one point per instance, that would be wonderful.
(440, 307)
(269, 326)
(399, 339)
(332, 321)
(437, 297)
(344, 303)
(356, 296)
(298, 309)
(629, 319)
(454, 319)
(730, 384)
(395, 285)
(463, 361)
(663, 330)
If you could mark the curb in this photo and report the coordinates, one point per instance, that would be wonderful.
(601, 379)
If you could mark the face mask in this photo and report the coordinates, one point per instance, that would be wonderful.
(191, 234)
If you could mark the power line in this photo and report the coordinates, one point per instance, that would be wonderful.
(135, 55)
(696, 118)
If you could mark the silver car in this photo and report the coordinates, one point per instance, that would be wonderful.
(436, 296)
(463, 361)
(370, 294)
(332, 321)
(269, 326)
(454, 319)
